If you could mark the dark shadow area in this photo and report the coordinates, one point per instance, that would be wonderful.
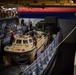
(65, 61)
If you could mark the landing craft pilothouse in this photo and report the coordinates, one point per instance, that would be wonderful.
(25, 47)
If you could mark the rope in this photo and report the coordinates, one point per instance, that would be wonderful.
(65, 37)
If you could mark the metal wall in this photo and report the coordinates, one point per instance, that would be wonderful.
(67, 25)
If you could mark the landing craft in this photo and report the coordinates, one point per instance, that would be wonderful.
(24, 47)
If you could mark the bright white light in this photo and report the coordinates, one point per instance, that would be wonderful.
(14, 8)
(9, 9)
(71, 2)
(2, 7)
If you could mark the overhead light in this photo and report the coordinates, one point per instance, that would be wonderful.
(2, 6)
(71, 1)
(14, 8)
(9, 9)
(74, 1)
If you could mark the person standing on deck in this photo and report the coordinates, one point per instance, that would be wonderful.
(30, 25)
(22, 22)
(11, 37)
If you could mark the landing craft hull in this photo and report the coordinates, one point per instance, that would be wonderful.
(21, 56)
(29, 55)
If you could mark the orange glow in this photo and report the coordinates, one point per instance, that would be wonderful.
(51, 9)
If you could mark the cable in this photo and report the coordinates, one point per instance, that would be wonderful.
(65, 37)
(55, 47)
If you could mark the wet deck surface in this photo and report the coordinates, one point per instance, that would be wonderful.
(12, 69)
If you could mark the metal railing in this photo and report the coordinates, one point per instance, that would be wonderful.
(40, 64)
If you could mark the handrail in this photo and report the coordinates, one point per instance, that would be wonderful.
(60, 44)
(43, 59)
(40, 64)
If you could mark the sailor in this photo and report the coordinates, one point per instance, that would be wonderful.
(4, 28)
(22, 22)
(35, 40)
(11, 37)
(30, 25)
